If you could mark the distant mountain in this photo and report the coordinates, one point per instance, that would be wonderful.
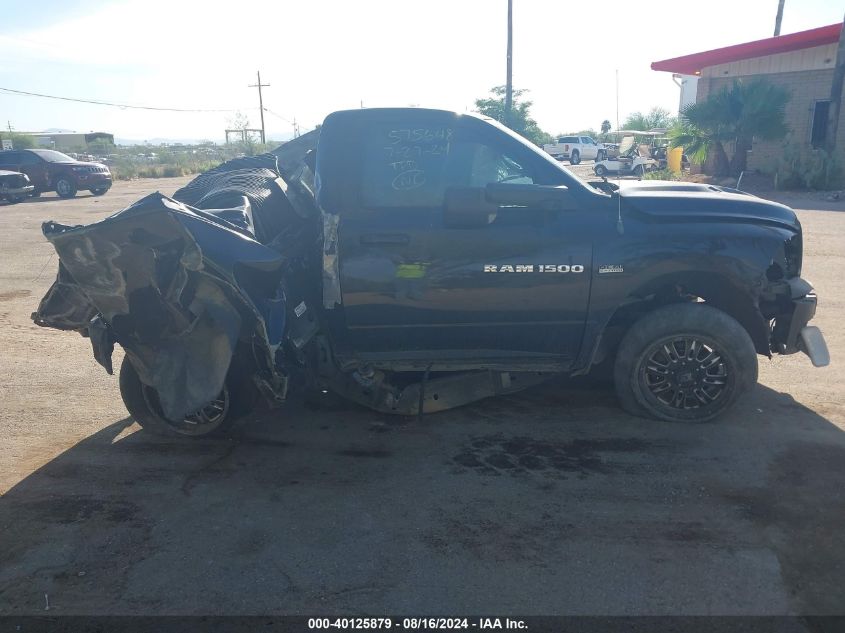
(188, 141)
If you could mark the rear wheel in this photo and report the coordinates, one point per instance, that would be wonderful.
(684, 363)
(217, 417)
(575, 158)
(65, 187)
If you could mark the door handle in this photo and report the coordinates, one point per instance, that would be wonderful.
(397, 239)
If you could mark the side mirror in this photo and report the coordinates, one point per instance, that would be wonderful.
(543, 197)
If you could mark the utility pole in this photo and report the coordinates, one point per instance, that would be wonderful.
(260, 85)
(835, 108)
(779, 17)
(509, 80)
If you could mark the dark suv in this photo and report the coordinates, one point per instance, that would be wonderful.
(49, 170)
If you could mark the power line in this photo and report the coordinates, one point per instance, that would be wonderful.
(121, 105)
(296, 126)
(278, 115)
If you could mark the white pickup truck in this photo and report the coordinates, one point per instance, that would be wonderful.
(576, 148)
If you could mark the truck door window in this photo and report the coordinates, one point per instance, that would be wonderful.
(404, 165)
(411, 166)
(487, 165)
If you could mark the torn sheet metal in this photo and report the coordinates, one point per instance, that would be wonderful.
(177, 287)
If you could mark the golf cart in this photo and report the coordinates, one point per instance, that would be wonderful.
(633, 160)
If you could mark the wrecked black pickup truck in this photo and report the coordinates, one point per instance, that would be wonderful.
(414, 260)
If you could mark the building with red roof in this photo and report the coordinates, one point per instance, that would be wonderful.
(801, 62)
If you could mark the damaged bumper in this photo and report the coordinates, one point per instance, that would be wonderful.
(791, 332)
(14, 192)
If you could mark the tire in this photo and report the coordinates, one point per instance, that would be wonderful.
(100, 191)
(65, 187)
(600, 170)
(684, 363)
(575, 158)
(639, 171)
(16, 199)
(217, 418)
(35, 193)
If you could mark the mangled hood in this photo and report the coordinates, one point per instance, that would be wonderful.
(176, 286)
(702, 202)
(183, 284)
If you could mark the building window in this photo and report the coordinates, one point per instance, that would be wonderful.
(818, 128)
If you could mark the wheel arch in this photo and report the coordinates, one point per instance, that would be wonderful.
(712, 288)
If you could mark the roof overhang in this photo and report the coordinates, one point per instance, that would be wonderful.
(693, 64)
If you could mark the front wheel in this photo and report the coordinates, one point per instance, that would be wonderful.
(65, 187)
(575, 158)
(215, 418)
(100, 191)
(601, 171)
(684, 363)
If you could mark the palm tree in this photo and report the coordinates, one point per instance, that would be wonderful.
(736, 114)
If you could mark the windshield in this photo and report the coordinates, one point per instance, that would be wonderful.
(626, 145)
(52, 156)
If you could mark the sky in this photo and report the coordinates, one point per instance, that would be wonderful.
(324, 55)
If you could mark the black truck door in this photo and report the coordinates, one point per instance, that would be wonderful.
(429, 268)
(515, 283)
(372, 170)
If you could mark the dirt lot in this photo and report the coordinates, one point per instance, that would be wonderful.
(551, 501)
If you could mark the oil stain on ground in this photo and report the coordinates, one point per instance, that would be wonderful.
(498, 454)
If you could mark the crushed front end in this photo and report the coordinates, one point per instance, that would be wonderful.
(789, 303)
(189, 286)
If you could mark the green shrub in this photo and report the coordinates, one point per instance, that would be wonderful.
(802, 168)
(663, 174)
(125, 169)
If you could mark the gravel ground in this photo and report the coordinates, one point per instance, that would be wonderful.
(547, 502)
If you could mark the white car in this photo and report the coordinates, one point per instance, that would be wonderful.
(575, 149)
